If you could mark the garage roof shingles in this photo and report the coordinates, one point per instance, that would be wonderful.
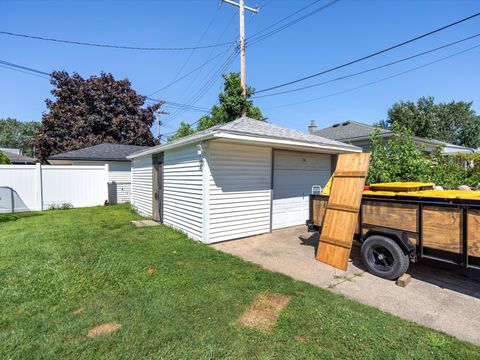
(254, 128)
(110, 152)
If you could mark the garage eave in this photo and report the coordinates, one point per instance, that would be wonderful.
(287, 144)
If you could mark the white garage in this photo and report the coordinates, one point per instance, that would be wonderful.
(294, 175)
(239, 179)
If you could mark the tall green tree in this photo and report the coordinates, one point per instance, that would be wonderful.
(185, 129)
(454, 122)
(18, 135)
(91, 111)
(230, 104)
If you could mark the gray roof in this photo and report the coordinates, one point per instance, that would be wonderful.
(354, 130)
(255, 128)
(19, 159)
(349, 130)
(101, 152)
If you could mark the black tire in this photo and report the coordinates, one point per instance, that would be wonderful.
(384, 258)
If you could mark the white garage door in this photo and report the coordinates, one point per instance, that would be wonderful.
(294, 174)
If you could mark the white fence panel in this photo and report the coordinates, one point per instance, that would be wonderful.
(37, 187)
(80, 186)
(19, 188)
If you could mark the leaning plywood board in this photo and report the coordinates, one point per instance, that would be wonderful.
(343, 206)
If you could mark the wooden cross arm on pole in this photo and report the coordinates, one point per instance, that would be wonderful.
(255, 10)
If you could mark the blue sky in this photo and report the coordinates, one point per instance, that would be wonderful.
(343, 32)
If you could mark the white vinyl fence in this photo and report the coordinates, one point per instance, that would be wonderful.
(37, 187)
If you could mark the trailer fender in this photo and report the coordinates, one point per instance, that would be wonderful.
(399, 236)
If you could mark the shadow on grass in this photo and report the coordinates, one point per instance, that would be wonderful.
(4, 218)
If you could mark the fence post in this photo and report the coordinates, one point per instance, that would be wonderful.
(106, 182)
(39, 186)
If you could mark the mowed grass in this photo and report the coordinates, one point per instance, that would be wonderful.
(56, 262)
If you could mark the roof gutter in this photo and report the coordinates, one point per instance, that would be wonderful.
(279, 141)
(162, 148)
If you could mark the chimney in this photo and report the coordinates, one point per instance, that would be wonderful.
(312, 127)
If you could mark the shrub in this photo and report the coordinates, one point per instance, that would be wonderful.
(64, 206)
(400, 159)
(397, 159)
(4, 160)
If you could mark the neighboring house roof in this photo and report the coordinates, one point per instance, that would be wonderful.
(101, 152)
(350, 131)
(246, 129)
(18, 159)
(12, 150)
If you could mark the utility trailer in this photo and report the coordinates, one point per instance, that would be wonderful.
(396, 228)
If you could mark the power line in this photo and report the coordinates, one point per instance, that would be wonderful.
(188, 74)
(370, 55)
(255, 38)
(207, 85)
(175, 78)
(21, 67)
(376, 81)
(283, 19)
(35, 72)
(209, 59)
(369, 70)
(203, 90)
(71, 42)
(24, 72)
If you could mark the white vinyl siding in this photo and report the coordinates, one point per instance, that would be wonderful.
(119, 178)
(141, 177)
(239, 191)
(294, 175)
(183, 190)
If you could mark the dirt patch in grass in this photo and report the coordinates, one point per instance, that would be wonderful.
(79, 311)
(300, 338)
(264, 311)
(103, 329)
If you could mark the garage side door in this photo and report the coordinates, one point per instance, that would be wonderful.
(294, 174)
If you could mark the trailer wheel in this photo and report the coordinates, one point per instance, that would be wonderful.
(384, 258)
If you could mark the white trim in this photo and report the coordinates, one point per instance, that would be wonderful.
(300, 145)
(206, 191)
(288, 143)
(39, 186)
(106, 175)
(180, 143)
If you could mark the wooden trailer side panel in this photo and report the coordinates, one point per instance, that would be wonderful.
(390, 214)
(319, 205)
(442, 228)
(473, 221)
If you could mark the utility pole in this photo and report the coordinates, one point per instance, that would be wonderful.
(243, 76)
(160, 112)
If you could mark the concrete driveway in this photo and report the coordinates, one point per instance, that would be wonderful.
(440, 296)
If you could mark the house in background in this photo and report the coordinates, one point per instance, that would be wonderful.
(233, 180)
(357, 133)
(115, 155)
(17, 158)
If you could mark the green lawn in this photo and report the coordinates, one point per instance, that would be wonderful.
(55, 262)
